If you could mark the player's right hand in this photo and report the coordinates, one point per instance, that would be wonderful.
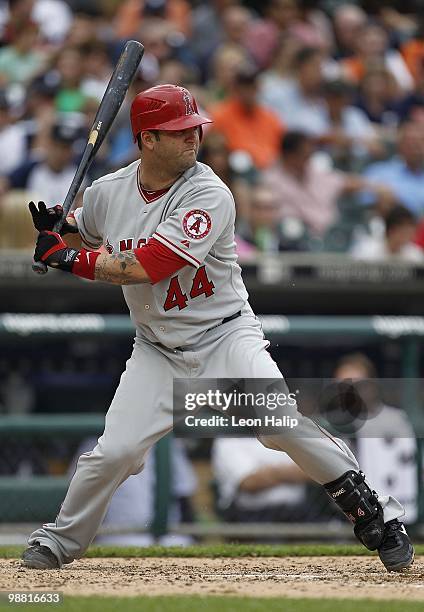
(53, 251)
(44, 218)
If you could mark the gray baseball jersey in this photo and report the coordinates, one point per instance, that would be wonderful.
(195, 219)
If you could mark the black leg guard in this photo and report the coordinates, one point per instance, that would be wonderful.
(352, 494)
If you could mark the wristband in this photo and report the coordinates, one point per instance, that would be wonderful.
(84, 264)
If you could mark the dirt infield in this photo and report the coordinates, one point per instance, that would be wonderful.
(347, 577)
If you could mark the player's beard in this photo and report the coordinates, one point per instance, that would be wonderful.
(175, 164)
(184, 162)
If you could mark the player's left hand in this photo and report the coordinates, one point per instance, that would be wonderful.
(44, 218)
(53, 251)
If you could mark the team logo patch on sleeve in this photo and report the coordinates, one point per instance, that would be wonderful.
(197, 224)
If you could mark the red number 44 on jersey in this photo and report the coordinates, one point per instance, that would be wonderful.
(201, 285)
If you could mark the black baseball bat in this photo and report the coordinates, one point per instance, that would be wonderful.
(111, 102)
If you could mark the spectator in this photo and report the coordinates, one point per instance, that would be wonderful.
(84, 27)
(413, 50)
(70, 67)
(21, 60)
(264, 34)
(257, 484)
(404, 173)
(282, 65)
(174, 71)
(132, 13)
(12, 138)
(133, 504)
(348, 20)
(385, 441)
(411, 108)
(97, 69)
(206, 34)
(397, 241)
(373, 50)
(54, 18)
(12, 16)
(121, 149)
(246, 124)
(162, 42)
(235, 169)
(298, 100)
(50, 175)
(304, 189)
(264, 228)
(313, 29)
(235, 27)
(218, 51)
(377, 98)
(38, 113)
(399, 25)
(227, 61)
(236, 21)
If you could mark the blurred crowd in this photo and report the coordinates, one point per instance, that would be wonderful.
(318, 110)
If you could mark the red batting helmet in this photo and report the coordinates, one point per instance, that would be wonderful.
(165, 107)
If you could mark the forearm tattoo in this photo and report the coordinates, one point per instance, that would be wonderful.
(120, 269)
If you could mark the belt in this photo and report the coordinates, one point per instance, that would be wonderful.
(226, 320)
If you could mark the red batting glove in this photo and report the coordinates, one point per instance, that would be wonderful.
(53, 251)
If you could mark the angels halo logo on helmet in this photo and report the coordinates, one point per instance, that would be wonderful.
(165, 107)
(187, 101)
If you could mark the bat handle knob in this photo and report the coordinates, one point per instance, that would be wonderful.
(39, 267)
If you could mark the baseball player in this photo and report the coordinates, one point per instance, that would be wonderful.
(167, 222)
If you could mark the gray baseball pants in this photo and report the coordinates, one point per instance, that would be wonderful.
(141, 413)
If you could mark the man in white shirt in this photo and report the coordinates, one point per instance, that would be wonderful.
(12, 139)
(255, 483)
(395, 243)
(385, 441)
(49, 177)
